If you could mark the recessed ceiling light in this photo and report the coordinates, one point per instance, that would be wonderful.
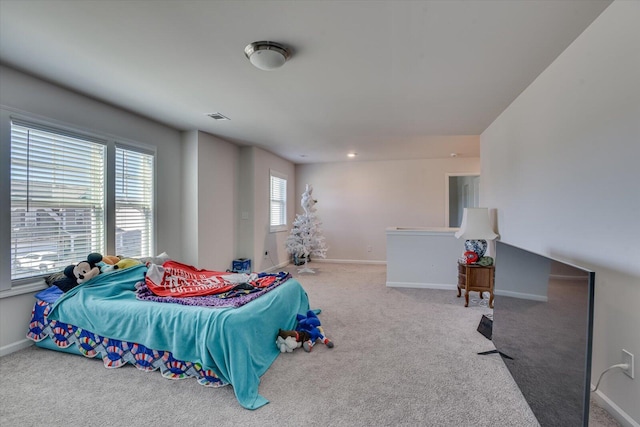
(454, 154)
(218, 116)
(352, 155)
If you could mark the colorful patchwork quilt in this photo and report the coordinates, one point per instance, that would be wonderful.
(114, 353)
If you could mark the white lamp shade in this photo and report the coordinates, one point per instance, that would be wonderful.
(476, 225)
(267, 59)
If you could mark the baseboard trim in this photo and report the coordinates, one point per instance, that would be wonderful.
(521, 295)
(16, 346)
(441, 286)
(566, 277)
(277, 267)
(607, 404)
(349, 261)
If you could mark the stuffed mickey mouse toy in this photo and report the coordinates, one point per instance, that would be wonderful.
(88, 269)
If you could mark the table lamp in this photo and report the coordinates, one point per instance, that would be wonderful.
(476, 229)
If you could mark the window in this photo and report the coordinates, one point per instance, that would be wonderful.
(134, 203)
(57, 198)
(278, 204)
(60, 196)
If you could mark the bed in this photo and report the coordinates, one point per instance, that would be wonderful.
(218, 346)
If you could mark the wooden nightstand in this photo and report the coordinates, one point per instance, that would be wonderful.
(476, 278)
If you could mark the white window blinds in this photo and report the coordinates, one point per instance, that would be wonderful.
(57, 199)
(73, 194)
(278, 205)
(134, 203)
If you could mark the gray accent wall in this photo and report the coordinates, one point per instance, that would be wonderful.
(560, 167)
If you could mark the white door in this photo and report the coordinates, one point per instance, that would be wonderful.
(463, 191)
(476, 192)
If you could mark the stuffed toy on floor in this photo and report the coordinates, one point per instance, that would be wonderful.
(310, 324)
(287, 341)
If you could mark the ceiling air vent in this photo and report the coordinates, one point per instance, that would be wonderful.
(218, 116)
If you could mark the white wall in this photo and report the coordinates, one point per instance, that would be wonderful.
(35, 97)
(246, 203)
(263, 239)
(560, 165)
(189, 197)
(218, 166)
(357, 201)
(209, 192)
(254, 236)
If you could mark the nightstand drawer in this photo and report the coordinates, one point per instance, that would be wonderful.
(462, 268)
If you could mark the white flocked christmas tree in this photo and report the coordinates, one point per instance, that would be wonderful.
(306, 238)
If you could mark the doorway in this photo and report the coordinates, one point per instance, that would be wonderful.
(462, 191)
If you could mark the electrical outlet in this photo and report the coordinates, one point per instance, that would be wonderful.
(628, 359)
(369, 248)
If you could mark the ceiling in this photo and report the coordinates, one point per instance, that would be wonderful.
(386, 79)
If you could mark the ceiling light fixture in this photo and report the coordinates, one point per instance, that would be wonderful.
(267, 55)
(352, 155)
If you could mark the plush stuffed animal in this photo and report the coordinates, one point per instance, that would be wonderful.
(311, 325)
(287, 341)
(121, 265)
(110, 259)
(76, 274)
(65, 281)
(158, 260)
(88, 269)
(107, 262)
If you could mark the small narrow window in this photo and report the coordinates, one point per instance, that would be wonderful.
(278, 205)
(134, 203)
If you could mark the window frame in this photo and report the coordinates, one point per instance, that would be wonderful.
(152, 228)
(281, 226)
(9, 287)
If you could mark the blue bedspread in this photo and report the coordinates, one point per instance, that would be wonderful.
(238, 344)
